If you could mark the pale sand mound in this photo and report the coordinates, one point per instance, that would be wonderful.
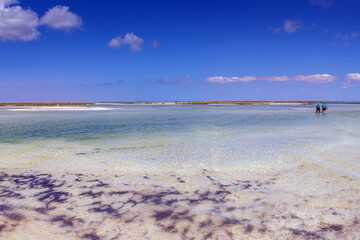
(59, 108)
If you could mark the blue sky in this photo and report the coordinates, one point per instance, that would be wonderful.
(112, 50)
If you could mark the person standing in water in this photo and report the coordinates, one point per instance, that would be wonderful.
(324, 107)
(318, 108)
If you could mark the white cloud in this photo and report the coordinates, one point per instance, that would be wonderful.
(276, 78)
(322, 3)
(222, 80)
(16, 23)
(60, 18)
(316, 78)
(292, 26)
(134, 42)
(353, 76)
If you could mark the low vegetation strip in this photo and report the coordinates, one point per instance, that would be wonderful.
(247, 103)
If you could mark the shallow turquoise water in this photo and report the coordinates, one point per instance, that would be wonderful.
(257, 138)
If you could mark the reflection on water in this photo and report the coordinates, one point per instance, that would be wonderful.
(161, 172)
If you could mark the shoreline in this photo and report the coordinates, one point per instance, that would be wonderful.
(172, 103)
(262, 103)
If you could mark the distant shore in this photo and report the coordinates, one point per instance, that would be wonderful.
(247, 103)
(231, 102)
(215, 103)
(180, 103)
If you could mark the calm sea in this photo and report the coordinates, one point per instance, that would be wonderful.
(162, 138)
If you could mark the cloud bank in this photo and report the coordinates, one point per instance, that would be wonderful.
(134, 42)
(60, 18)
(223, 80)
(316, 78)
(18, 24)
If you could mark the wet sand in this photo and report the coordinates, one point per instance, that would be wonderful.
(38, 205)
